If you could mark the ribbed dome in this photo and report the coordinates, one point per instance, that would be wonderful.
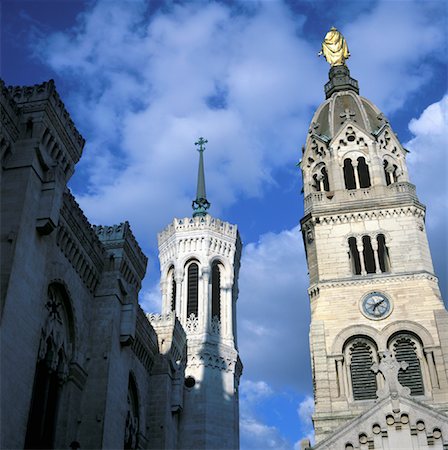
(344, 102)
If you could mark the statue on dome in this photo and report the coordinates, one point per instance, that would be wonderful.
(334, 48)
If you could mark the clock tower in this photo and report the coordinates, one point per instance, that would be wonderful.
(373, 291)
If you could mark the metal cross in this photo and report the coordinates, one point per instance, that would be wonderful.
(347, 114)
(201, 142)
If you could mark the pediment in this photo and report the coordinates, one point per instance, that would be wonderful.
(401, 423)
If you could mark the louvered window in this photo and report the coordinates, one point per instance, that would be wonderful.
(193, 282)
(216, 291)
(405, 349)
(363, 379)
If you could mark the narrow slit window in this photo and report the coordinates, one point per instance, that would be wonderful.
(193, 286)
(363, 172)
(369, 258)
(216, 292)
(349, 174)
(383, 253)
(173, 292)
(354, 256)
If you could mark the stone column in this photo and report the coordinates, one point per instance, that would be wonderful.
(227, 297)
(204, 301)
(339, 373)
(432, 368)
(178, 278)
(374, 243)
(355, 170)
(360, 247)
(163, 289)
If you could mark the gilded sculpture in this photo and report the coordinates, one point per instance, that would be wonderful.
(334, 48)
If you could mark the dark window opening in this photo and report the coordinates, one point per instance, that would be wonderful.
(354, 256)
(131, 427)
(369, 258)
(316, 184)
(193, 285)
(216, 291)
(386, 172)
(44, 404)
(325, 179)
(383, 253)
(363, 173)
(405, 350)
(173, 292)
(363, 379)
(349, 174)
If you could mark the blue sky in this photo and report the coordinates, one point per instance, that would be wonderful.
(143, 80)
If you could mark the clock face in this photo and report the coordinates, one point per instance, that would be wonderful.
(376, 305)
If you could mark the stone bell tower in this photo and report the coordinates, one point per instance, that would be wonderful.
(372, 283)
(200, 259)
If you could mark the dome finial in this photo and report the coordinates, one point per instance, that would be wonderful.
(334, 48)
(200, 204)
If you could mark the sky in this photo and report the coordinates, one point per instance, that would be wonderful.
(143, 80)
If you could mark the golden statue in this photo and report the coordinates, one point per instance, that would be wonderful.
(334, 48)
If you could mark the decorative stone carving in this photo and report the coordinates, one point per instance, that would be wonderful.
(390, 367)
(192, 323)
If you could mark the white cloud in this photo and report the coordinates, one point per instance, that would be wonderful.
(392, 57)
(153, 86)
(257, 435)
(305, 410)
(428, 160)
(273, 310)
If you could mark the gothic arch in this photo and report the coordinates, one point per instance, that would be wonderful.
(353, 330)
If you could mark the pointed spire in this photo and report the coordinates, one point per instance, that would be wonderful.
(200, 204)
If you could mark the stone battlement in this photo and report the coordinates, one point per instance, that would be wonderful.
(189, 224)
(121, 235)
(33, 98)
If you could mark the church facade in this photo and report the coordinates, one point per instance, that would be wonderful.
(82, 366)
(379, 328)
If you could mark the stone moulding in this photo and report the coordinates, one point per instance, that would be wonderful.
(382, 278)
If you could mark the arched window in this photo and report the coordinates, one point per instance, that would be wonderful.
(383, 253)
(349, 174)
(192, 291)
(216, 291)
(54, 356)
(321, 180)
(172, 289)
(405, 347)
(361, 355)
(354, 256)
(390, 172)
(132, 421)
(363, 173)
(369, 258)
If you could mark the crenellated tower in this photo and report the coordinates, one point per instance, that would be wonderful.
(199, 259)
(372, 283)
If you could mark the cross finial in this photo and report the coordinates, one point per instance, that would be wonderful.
(347, 114)
(201, 142)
